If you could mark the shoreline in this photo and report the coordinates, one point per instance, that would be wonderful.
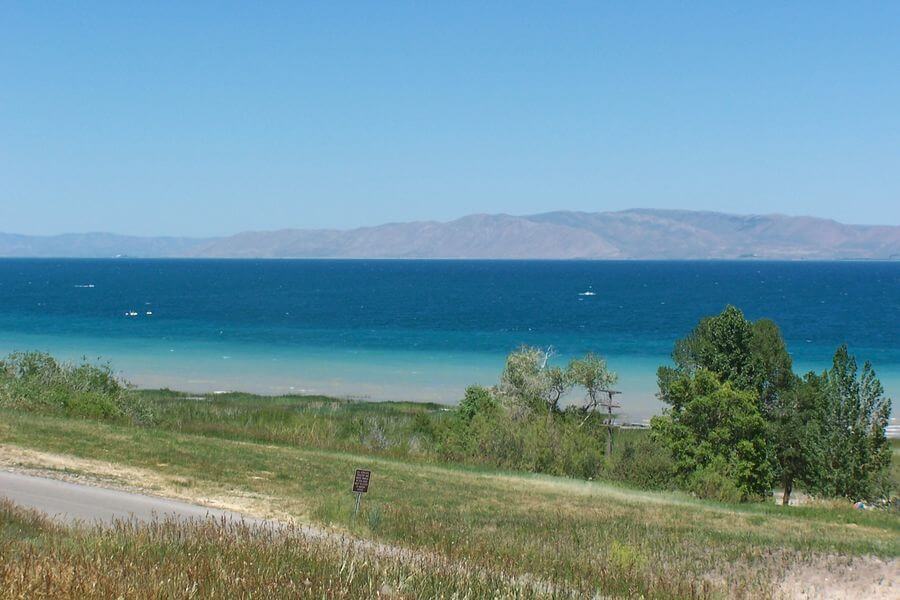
(373, 375)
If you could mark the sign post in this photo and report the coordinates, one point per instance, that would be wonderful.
(360, 486)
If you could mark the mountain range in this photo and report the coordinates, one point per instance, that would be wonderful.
(627, 234)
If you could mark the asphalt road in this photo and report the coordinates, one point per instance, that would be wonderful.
(72, 502)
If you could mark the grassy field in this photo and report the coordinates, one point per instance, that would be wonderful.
(39, 559)
(385, 428)
(418, 432)
(293, 458)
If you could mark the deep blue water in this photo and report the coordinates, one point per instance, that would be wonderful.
(425, 328)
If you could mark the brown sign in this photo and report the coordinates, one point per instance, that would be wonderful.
(361, 481)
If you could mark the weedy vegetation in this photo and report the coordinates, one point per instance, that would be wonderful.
(222, 559)
(37, 382)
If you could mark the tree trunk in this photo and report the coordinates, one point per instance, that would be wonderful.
(788, 487)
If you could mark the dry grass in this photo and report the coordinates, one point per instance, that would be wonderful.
(156, 482)
(220, 559)
(842, 578)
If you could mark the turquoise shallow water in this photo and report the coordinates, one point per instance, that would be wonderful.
(422, 330)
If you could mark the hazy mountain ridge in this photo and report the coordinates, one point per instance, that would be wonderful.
(93, 245)
(629, 234)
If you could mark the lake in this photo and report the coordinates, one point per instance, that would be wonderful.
(424, 329)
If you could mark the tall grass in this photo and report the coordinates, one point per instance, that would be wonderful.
(388, 428)
(223, 559)
(425, 432)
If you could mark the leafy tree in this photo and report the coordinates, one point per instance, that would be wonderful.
(592, 373)
(528, 384)
(771, 368)
(795, 434)
(750, 355)
(716, 434)
(522, 383)
(721, 344)
(854, 413)
(558, 383)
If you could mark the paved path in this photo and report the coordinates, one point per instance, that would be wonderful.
(71, 502)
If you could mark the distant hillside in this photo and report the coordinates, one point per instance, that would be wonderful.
(628, 234)
(94, 245)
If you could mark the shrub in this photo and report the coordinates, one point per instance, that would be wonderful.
(37, 382)
(478, 400)
(715, 482)
(637, 460)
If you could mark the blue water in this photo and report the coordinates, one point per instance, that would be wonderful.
(424, 329)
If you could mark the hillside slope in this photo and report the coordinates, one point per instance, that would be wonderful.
(628, 234)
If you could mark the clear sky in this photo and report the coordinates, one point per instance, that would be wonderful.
(203, 119)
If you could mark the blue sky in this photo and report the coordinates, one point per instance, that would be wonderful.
(164, 118)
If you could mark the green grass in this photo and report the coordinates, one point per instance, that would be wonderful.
(418, 432)
(386, 428)
(585, 536)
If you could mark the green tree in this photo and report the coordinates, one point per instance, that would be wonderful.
(592, 373)
(529, 384)
(750, 355)
(721, 344)
(716, 433)
(854, 413)
(795, 434)
(771, 368)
